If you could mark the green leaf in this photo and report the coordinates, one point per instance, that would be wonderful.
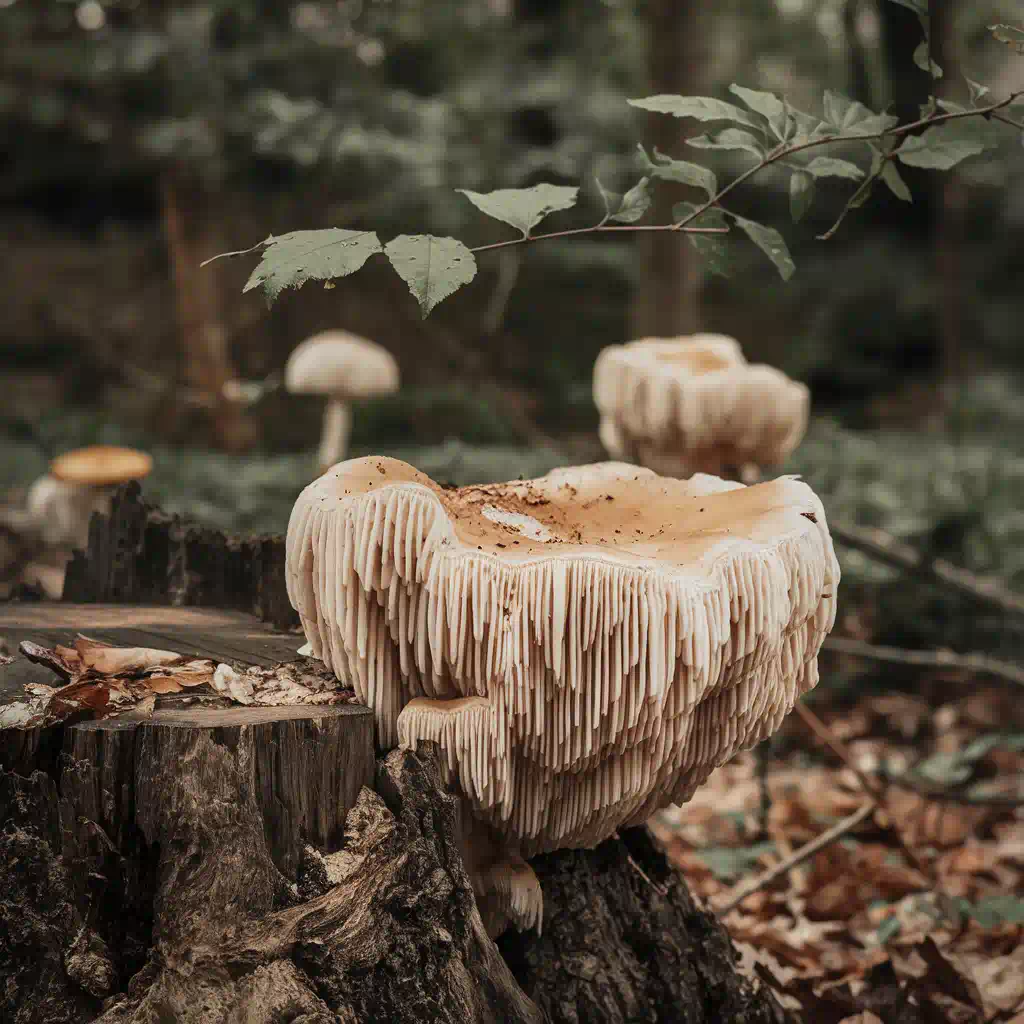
(729, 138)
(713, 249)
(523, 208)
(635, 203)
(922, 58)
(731, 862)
(801, 193)
(667, 169)
(768, 105)
(896, 184)
(846, 114)
(290, 260)
(771, 243)
(832, 167)
(945, 145)
(992, 911)
(432, 267)
(701, 108)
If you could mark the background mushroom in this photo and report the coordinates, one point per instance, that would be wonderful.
(686, 405)
(343, 367)
(585, 647)
(80, 482)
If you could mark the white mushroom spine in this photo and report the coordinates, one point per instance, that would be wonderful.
(336, 431)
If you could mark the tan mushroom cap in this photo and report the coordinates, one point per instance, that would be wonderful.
(101, 465)
(342, 365)
(694, 404)
(602, 638)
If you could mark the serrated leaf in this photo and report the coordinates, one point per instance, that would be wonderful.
(832, 167)
(922, 58)
(771, 243)
(944, 145)
(432, 267)
(635, 203)
(729, 138)
(768, 105)
(898, 187)
(873, 125)
(290, 260)
(667, 169)
(701, 108)
(847, 114)
(523, 208)
(801, 194)
(713, 249)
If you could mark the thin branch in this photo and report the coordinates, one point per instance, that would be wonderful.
(980, 664)
(885, 548)
(851, 203)
(782, 151)
(602, 227)
(875, 788)
(238, 252)
(797, 857)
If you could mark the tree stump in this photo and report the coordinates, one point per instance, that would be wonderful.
(257, 865)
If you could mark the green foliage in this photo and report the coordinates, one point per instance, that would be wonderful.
(831, 167)
(628, 208)
(771, 243)
(701, 108)
(666, 169)
(891, 176)
(523, 208)
(945, 145)
(801, 193)
(290, 260)
(432, 267)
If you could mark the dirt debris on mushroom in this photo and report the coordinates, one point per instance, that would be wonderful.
(694, 404)
(586, 676)
(342, 367)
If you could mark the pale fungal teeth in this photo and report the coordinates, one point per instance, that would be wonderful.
(580, 680)
(680, 405)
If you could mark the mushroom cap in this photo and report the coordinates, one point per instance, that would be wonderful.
(342, 365)
(605, 637)
(696, 401)
(101, 465)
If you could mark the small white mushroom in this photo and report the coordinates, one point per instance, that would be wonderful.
(585, 648)
(343, 367)
(80, 482)
(685, 405)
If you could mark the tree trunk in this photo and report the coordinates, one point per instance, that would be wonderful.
(188, 215)
(666, 297)
(255, 864)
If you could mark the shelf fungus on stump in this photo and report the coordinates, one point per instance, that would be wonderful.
(694, 404)
(585, 647)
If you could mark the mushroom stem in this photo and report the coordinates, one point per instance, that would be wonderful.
(336, 431)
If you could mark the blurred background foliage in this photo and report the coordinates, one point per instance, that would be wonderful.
(144, 137)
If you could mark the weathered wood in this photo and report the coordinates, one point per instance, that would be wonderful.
(139, 554)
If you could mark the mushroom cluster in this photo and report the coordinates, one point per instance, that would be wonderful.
(585, 648)
(342, 367)
(685, 405)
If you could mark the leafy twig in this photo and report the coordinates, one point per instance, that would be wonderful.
(978, 663)
(595, 228)
(885, 548)
(797, 857)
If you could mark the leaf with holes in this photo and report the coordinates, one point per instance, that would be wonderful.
(701, 108)
(432, 267)
(523, 208)
(290, 260)
(713, 249)
(944, 145)
(771, 243)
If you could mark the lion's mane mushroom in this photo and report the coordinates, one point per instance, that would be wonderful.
(80, 482)
(585, 647)
(342, 367)
(684, 405)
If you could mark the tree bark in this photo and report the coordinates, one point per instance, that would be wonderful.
(666, 296)
(141, 555)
